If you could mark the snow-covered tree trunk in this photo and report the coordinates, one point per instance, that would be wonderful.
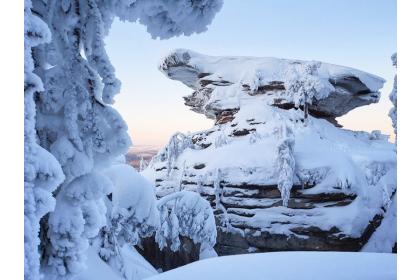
(42, 172)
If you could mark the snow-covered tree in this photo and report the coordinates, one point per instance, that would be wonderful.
(182, 177)
(186, 214)
(302, 84)
(142, 164)
(254, 137)
(42, 172)
(218, 194)
(131, 214)
(177, 144)
(218, 190)
(285, 163)
(74, 119)
(200, 180)
(393, 97)
(221, 139)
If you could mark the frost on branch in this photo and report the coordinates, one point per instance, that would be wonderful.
(187, 214)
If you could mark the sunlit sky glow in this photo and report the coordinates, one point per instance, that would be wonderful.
(355, 33)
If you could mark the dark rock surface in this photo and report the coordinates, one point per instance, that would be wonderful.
(166, 259)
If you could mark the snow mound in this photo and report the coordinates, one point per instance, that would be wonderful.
(288, 266)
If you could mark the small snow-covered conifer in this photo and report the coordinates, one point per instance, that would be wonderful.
(285, 163)
(142, 164)
(302, 85)
(186, 214)
(221, 139)
(177, 144)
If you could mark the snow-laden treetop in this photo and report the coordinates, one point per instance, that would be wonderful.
(223, 83)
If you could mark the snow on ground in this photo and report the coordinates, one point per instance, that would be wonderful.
(96, 268)
(137, 267)
(290, 265)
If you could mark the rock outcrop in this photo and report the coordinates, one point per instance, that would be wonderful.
(220, 83)
(275, 167)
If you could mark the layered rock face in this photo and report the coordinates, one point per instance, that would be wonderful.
(276, 167)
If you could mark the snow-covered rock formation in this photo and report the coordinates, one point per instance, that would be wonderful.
(278, 171)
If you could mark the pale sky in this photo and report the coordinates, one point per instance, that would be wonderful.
(354, 33)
